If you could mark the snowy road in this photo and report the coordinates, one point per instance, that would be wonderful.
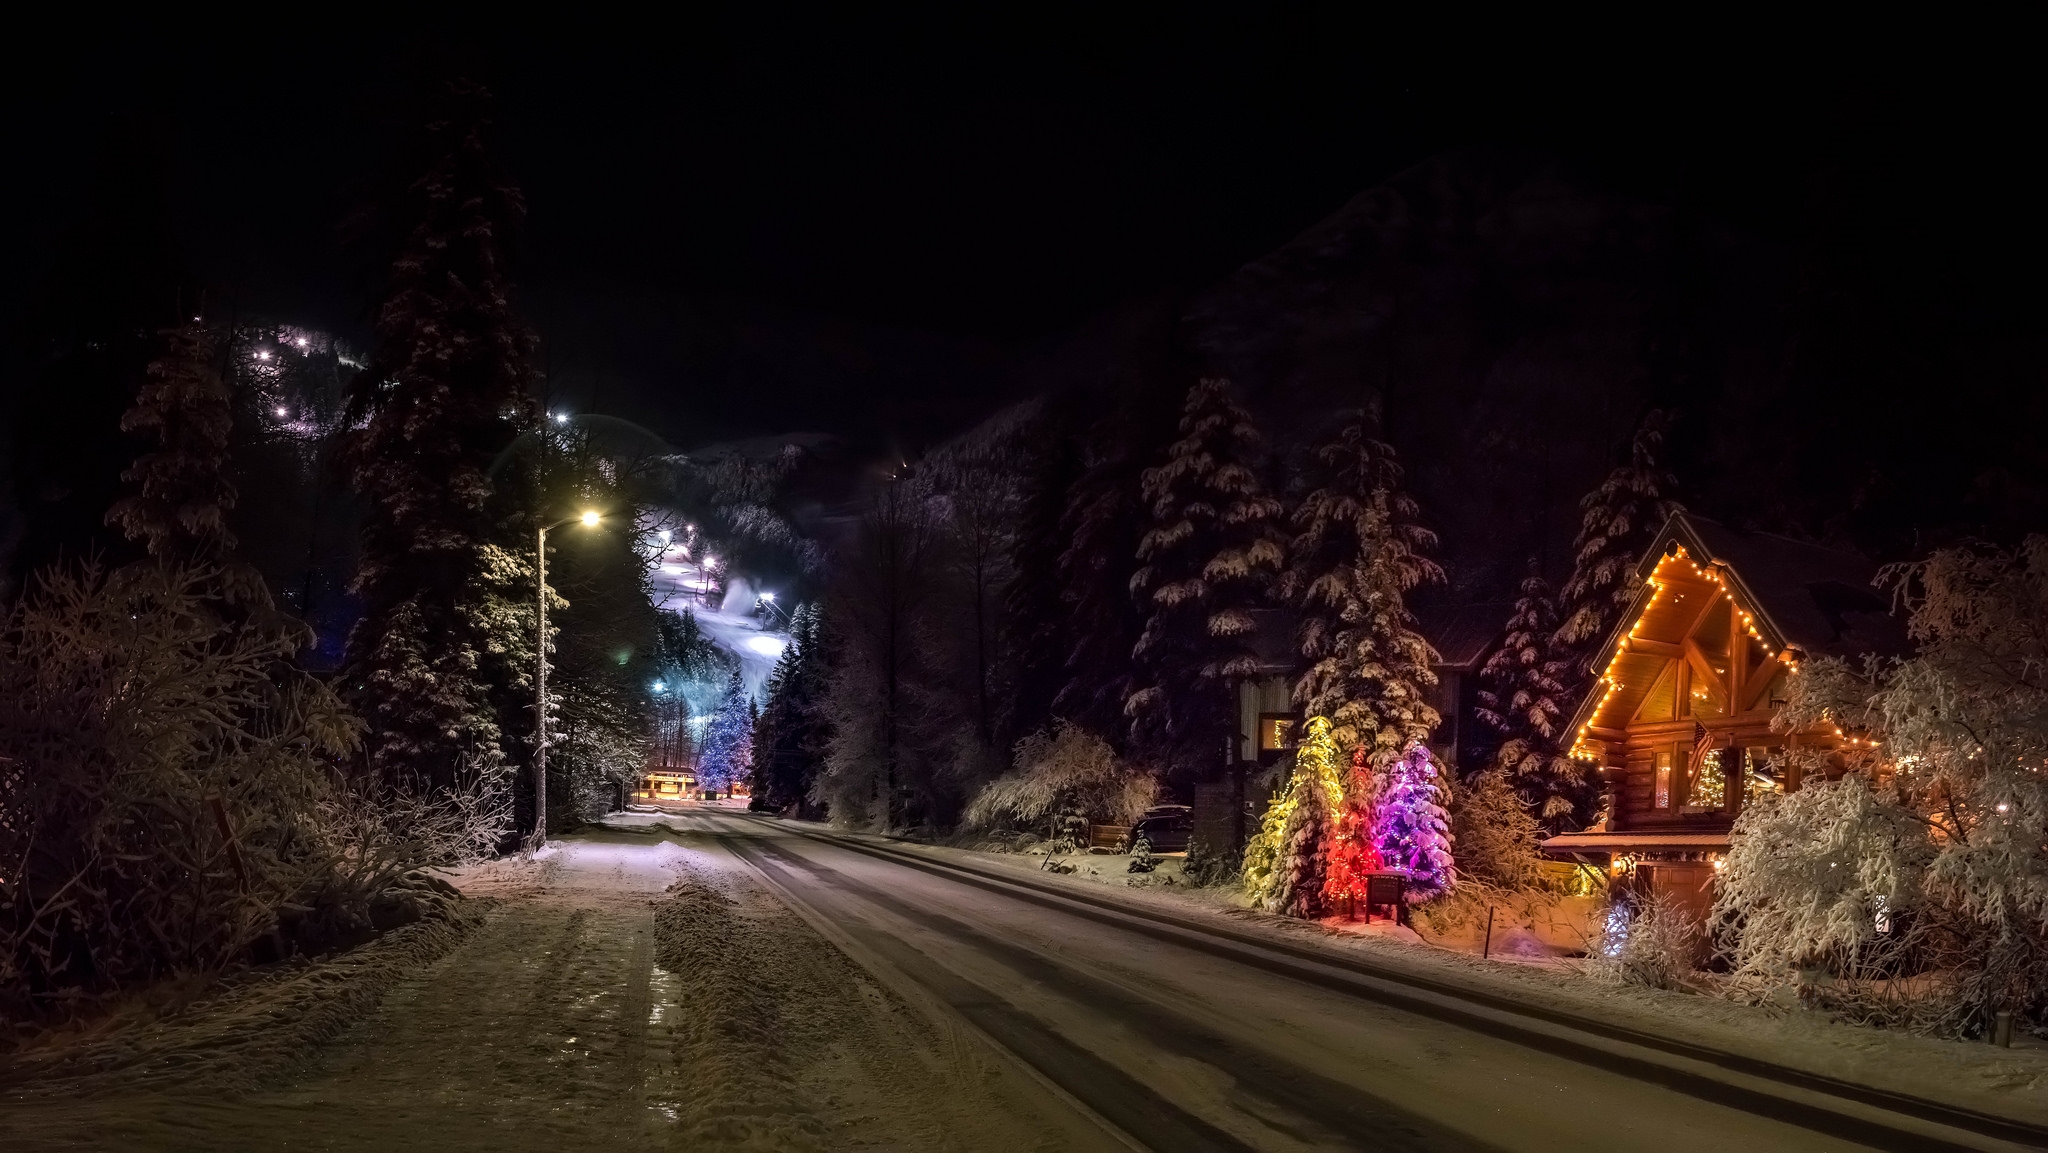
(728, 982)
(1175, 1040)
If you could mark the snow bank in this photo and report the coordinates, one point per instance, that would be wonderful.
(244, 1034)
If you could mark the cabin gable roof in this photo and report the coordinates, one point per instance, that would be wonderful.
(1795, 599)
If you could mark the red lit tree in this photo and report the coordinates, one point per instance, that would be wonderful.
(1353, 853)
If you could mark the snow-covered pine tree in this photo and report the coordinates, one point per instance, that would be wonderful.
(1301, 869)
(180, 494)
(1413, 832)
(1358, 549)
(790, 734)
(444, 393)
(1353, 852)
(1208, 557)
(1620, 517)
(728, 752)
(1523, 697)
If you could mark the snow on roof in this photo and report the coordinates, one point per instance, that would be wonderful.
(1821, 599)
(1463, 634)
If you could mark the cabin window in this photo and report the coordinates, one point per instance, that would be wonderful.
(1780, 691)
(1708, 790)
(1276, 732)
(1759, 775)
(1664, 779)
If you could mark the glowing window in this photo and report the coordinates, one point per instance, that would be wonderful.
(1664, 780)
(1276, 732)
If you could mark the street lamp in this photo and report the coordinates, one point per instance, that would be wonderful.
(540, 677)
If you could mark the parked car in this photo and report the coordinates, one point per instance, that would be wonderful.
(1163, 828)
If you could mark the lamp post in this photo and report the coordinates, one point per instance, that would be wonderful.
(540, 675)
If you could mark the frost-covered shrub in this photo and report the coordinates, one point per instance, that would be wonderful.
(160, 776)
(1651, 943)
(1496, 836)
(1062, 780)
(1915, 886)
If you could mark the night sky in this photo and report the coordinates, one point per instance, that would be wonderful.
(751, 224)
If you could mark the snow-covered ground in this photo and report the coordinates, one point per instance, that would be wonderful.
(622, 992)
(713, 980)
(2005, 1082)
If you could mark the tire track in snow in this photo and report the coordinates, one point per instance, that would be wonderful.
(1274, 1094)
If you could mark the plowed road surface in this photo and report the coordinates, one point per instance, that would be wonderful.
(732, 982)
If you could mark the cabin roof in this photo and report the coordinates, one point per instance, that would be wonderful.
(1800, 596)
(1463, 634)
(1817, 599)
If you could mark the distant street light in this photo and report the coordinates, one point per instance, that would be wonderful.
(540, 678)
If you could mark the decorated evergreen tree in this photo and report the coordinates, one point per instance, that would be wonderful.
(1353, 852)
(442, 567)
(728, 752)
(1358, 549)
(1208, 558)
(1620, 518)
(1523, 699)
(1412, 831)
(1301, 871)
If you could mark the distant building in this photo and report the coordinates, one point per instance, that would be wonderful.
(1679, 724)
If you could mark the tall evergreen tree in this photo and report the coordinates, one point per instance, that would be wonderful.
(1209, 557)
(790, 735)
(444, 392)
(180, 494)
(1358, 549)
(1620, 517)
(728, 752)
(1525, 690)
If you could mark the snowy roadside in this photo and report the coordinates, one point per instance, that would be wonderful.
(239, 1035)
(2003, 1082)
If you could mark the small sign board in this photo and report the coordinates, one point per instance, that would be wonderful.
(1384, 888)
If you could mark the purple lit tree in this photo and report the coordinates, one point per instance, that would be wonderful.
(1413, 832)
(728, 740)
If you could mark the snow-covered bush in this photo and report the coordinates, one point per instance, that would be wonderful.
(1913, 890)
(1650, 943)
(1496, 835)
(160, 773)
(1062, 778)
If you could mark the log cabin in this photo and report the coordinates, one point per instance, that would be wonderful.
(1678, 725)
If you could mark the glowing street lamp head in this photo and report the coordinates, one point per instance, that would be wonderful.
(561, 418)
(281, 410)
(658, 686)
(769, 597)
(590, 518)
